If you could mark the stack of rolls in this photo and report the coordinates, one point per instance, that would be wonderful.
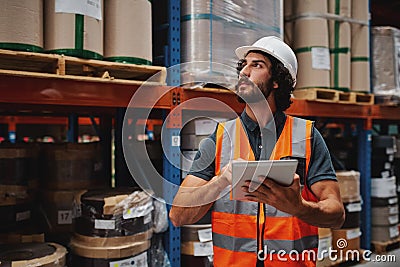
(115, 227)
(349, 185)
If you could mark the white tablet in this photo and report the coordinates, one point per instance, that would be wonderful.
(281, 171)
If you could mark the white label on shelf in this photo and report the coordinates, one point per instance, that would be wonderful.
(320, 58)
(136, 261)
(205, 235)
(324, 244)
(390, 150)
(387, 166)
(394, 210)
(353, 207)
(203, 249)
(175, 140)
(353, 233)
(104, 224)
(22, 216)
(138, 211)
(393, 200)
(391, 158)
(91, 8)
(64, 217)
(393, 231)
(385, 174)
(393, 219)
(147, 219)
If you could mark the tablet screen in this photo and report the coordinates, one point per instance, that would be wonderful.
(281, 171)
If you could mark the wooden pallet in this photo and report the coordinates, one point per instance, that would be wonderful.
(387, 100)
(66, 65)
(383, 247)
(356, 98)
(334, 96)
(317, 94)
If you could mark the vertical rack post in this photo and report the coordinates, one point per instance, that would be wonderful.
(171, 170)
(364, 166)
(73, 128)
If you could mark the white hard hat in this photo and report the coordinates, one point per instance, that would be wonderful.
(275, 47)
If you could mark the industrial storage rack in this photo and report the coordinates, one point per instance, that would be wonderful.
(22, 95)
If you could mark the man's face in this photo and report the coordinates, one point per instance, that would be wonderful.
(254, 77)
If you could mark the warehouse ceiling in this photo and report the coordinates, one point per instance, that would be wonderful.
(385, 13)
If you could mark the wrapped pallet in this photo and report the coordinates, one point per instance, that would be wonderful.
(21, 25)
(386, 61)
(212, 30)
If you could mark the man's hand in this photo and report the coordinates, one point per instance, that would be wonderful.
(285, 198)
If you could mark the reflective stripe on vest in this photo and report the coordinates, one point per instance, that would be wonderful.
(235, 222)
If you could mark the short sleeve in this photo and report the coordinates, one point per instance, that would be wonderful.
(321, 167)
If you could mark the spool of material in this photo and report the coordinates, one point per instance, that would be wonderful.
(61, 208)
(131, 44)
(339, 45)
(352, 236)
(15, 216)
(73, 34)
(196, 242)
(385, 216)
(349, 185)
(17, 238)
(111, 252)
(360, 58)
(288, 30)
(69, 166)
(21, 25)
(311, 45)
(384, 233)
(15, 163)
(141, 259)
(324, 244)
(33, 254)
(13, 195)
(352, 210)
(383, 187)
(113, 213)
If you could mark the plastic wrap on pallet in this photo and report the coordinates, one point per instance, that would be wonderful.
(211, 31)
(386, 61)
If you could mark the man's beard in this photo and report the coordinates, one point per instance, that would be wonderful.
(257, 92)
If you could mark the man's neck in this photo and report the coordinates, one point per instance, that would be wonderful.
(261, 112)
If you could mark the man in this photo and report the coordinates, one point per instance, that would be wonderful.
(277, 223)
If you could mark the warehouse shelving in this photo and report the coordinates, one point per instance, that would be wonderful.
(23, 94)
(29, 94)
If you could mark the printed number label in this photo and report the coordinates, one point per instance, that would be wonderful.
(64, 217)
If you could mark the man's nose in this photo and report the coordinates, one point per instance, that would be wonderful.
(245, 71)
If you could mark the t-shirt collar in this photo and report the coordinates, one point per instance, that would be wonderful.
(279, 118)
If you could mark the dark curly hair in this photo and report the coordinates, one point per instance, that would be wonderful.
(282, 77)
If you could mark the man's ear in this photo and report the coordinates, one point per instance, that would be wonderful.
(275, 85)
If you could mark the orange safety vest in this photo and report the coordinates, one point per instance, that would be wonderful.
(289, 240)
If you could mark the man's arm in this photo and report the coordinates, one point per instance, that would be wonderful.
(195, 197)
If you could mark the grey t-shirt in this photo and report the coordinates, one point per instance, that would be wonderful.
(320, 167)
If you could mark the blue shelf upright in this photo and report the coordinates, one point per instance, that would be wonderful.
(364, 165)
(166, 52)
